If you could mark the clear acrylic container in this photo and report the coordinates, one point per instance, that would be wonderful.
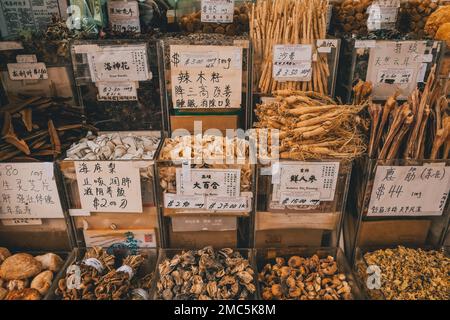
(170, 253)
(363, 273)
(370, 222)
(231, 101)
(190, 219)
(268, 255)
(120, 252)
(389, 64)
(137, 105)
(36, 54)
(306, 223)
(115, 227)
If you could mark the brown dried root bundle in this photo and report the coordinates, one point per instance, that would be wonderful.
(116, 284)
(95, 263)
(313, 127)
(288, 22)
(362, 91)
(407, 130)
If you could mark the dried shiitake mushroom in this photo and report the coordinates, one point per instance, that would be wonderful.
(42, 282)
(20, 266)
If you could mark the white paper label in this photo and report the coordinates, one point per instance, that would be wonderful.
(119, 63)
(26, 58)
(28, 190)
(21, 222)
(313, 180)
(175, 201)
(217, 11)
(215, 182)
(300, 198)
(10, 45)
(124, 16)
(200, 223)
(27, 71)
(382, 14)
(395, 76)
(395, 65)
(109, 186)
(365, 44)
(206, 76)
(214, 203)
(409, 191)
(326, 45)
(292, 62)
(117, 91)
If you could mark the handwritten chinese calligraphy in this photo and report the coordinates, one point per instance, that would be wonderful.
(395, 65)
(124, 16)
(217, 11)
(292, 62)
(117, 91)
(206, 76)
(109, 186)
(28, 190)
(27, 71)
(215, 182)
(119, 63)
(305, 183)
(409, 191)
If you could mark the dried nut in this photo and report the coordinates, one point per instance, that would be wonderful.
(42, 282)
(24, 294)
(50, 261)
(4, 253)
(20, 266)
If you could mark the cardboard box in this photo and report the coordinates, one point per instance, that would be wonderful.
(300, 220)
(143, 238)
(288, 238)
(393, 232)
(220, 122)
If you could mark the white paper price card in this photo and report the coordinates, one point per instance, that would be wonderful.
(21, 222)
(217, 11)
(300, 198)
(124, 16)
(206, 77)
(326, 45)
(175, 201)
(117, 91)
(28, 190)
(241, 204)
(119, 63)
(409, 191)
(382, 14)
(292, 62)
(109, 186)
(395, 65)
(310, 181)
(214, 182)
(27, 71)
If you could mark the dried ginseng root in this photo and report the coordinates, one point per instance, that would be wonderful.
(409, 274)
(95, 263)
(312, 126)
(206, 275)
(116, 284)
(39, 129)
(301, 278)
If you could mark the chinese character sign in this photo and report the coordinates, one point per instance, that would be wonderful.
(119, 63)
(292, 62)
(395, 65)
(212, 182)
(217, 11)
(117, 91)
(206, 76)
(305, 183)
(409, 191)
(27, 71)
(124, 16)
(28, 190)
(109, 186)
(382, 14)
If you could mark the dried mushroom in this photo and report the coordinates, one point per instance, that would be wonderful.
(24, 294)
(301, 278)
(42, 282)
(20, 266)
(50, 261)
(4, 253)
(3, 293)
(206, 275)
(410, 274)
